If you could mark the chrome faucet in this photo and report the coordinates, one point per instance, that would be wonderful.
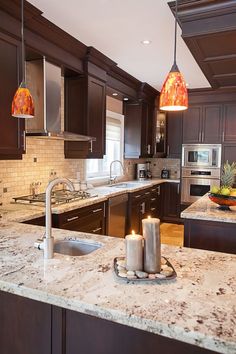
(49, 240)
(113, 179)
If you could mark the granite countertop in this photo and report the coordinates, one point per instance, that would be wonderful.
(23, 212)
(205, 209)
(198, 307)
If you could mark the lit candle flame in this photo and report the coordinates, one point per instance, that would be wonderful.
(149, 217)
(133, 232)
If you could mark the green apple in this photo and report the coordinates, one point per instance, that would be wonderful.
(225, 191)
(214, 190)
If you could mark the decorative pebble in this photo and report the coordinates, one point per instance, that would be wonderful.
(131, 277)
(141, 275)
(120, 267)
(121, 262)
(160, 276)
(151, 276)
(164, 266)
(122, 274)
(130, 273)
(167, 272)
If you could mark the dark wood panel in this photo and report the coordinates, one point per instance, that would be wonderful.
(209, 235)
(90, 335)
(171, 197)
(174, 134)
(11, 129)
(132, 123)
(229, 126)
(37, 221)
(192, 125)
(25, 325)
(212, 124)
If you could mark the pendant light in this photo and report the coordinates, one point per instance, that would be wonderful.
(22, 104)
(174, 94)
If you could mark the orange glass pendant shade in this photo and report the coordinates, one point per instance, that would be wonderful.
(22, 104)
(174, 94)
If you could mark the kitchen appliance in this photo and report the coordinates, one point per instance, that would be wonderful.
(148, 169)
(58, 197)
(196, 182)
(165, 173)
(201, 155)
(44, 82)
(117, 214)
(141, 171)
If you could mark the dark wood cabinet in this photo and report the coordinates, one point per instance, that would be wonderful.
(156, 202)
(229, 123)
(174, 134)
(89, 219)
(33, 327)
(85, 113)
(25, 325)
(11, 129)
(210, 235)
(139, 129)
(171, 202)
(202, 124)
(37, 221)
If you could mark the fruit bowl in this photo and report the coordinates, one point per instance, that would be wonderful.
(223, 201)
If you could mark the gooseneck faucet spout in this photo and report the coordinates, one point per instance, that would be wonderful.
(49, 240)
(113, 179)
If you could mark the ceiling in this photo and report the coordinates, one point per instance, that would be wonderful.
(117, 27)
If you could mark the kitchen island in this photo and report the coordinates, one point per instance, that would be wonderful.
(208, 227)
(76, 305)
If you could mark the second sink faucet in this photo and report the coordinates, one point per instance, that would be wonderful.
(113, 179)
(49, 240)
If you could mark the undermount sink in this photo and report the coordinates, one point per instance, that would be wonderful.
(75, 247)
(125, 185)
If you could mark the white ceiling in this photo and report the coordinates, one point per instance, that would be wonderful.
(117, 27)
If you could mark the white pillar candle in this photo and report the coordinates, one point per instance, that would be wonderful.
(152, 245)
(134, 251)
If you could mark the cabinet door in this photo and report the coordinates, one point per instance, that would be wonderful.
(11, 129)
(192, 125)
(171, 202)
(147, 130)
(156, 202)
(25, 325)
(96, 124)
(132, 126)
(211, 125)
(229, 123)
(174, 134)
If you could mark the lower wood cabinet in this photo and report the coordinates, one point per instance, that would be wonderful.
(89, 219)
(33, 327)
(210, 235)
(171, 202)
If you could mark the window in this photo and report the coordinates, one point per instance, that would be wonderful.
(96, 168)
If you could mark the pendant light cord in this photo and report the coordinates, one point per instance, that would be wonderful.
(22, 42)
(176, 12)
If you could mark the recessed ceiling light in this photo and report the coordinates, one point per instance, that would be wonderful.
(146, 41)
(126, 99)
(115, 94)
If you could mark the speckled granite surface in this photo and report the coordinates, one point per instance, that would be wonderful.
(23, 212)
(198, 307)
(205, 209)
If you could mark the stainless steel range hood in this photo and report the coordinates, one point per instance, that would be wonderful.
(45, 82)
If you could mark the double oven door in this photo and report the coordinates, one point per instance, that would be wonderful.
(195, 187)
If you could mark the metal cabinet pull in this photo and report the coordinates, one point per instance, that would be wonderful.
(96, 230)
(73, 218)
(137, 196)
(153, 189)
(202, 136)
(178, 188)
(153, 199)
(149, 149)
(199, 136)
(159, 190)
(91, 146)
(97, 210)
(223, 136)
(168, 150)
(147, 193)
(152, 209)
(143, 208)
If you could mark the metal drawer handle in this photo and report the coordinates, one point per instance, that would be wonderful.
(73, 218)
(159, 190)
(96, 230)
(152, 199)
(147, 193)
(97, 210)
(137, 196)
(153, 209)
(153, 189)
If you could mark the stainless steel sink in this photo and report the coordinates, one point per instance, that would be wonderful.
(75, 247)
(125, 185)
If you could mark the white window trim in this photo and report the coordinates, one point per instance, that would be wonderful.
(103, 179)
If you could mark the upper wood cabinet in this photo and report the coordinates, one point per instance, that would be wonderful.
(202, 124)
(11, 129)
(229, 123)
(85, 113)
(174, 134)
(139, 129)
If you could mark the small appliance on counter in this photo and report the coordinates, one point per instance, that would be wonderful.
(141, 171)
(165, 174)
(148, 169)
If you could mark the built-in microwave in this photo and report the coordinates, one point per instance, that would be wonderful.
(201, 155)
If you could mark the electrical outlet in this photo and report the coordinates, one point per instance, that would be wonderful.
(35, 159)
